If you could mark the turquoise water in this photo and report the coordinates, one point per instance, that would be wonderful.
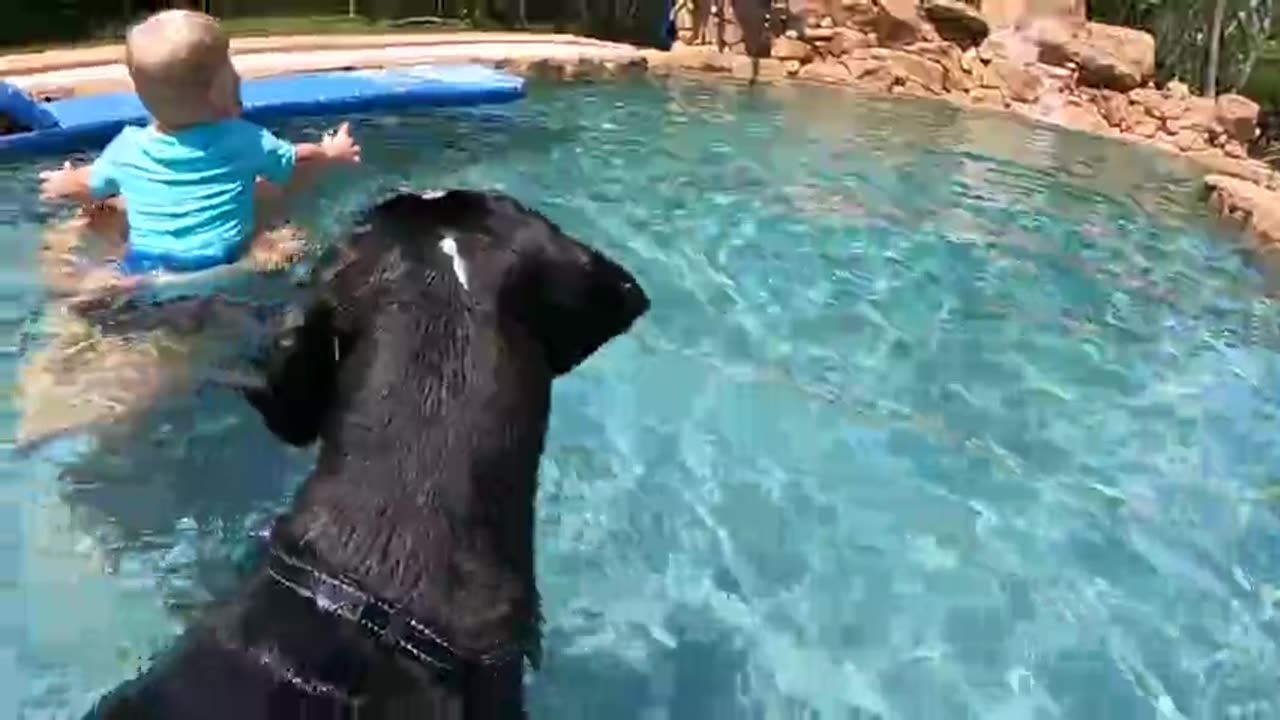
(936, 415)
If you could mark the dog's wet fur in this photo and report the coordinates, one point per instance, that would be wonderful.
(425, 375)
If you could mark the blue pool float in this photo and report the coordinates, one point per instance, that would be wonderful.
(89, 122)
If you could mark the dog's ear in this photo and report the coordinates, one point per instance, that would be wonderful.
(301, 375)
(581, 299)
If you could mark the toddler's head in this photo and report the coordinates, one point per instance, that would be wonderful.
(180, 63)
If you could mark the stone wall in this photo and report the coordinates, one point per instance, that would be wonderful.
(1060, 69)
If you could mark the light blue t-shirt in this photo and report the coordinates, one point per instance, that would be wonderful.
(189, 194)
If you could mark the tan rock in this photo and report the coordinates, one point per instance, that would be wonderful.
(1254, 171)
(861, 14)
(898, 24)
(819, 34)
(970, 61)
(1238, 115)
(757, 69)
(1108, 56)
(1234, 149)
(792, 66)
(1082, 116)
(827, 22)
(1143, 125)
(1158, 105)
(1247, 206)
(911, 88)
(846, 40)
(631, 67)
(1178, 90)
(1190, 141)
(906, 66)
(1113, 107)
(785, 48)
(903, 10)
(957, 22)
(986, 97)
(701, 57)
(1199, 114)
(1018, 83)
(828, 71)
(871, 74)
(1009, 44)
(949, 57)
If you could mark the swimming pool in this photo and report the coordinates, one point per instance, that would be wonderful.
(937, 414)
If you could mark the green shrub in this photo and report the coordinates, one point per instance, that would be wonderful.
(1263, 85)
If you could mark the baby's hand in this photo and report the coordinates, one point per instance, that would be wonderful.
(340, 146)
(67, 182)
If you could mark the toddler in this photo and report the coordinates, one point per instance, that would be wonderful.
(200, 186)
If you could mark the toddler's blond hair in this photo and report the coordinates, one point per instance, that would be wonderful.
(175, 58)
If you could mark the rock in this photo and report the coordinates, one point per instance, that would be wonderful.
(1249, 207)
(819, 34)
(828, 71)
(986, 97)
(1016, 82)
(701, 57)
(792, 66)
(871, 74)
(1082, 116)
(827, 22)
(898, 23)
(1190, 141)
(861, 15)
(785, 48)
(757, 69)
(1009, 44)
(906, 66)
(902, 10)
(791, 34)
(911, 88)
(847, 40)
(1143, 125)
(1254, 171)
(957, 22)
(1177, 90)
(970, 61)
(1201, 114)
(1234, 149)
(1157, 104)
(627, 68)
(1239, 116)
(949, 57)
(1108, 56)
(1113, 107)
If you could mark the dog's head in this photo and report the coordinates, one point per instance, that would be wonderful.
(466, 248)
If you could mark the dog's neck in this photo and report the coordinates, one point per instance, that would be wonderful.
(424, 489)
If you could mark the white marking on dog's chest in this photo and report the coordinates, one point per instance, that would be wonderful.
(450, 247)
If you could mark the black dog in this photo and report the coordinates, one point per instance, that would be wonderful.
(401, 583)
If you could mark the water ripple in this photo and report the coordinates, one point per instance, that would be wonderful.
(937, 414)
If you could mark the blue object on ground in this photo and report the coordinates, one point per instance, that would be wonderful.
(89, 122)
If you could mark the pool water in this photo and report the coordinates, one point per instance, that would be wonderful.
(937, 414)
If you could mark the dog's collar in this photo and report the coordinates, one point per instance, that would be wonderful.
(386, 623)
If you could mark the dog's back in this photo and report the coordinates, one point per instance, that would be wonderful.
(425, 370)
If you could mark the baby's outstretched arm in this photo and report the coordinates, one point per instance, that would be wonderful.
(337, 148)
(66, 183)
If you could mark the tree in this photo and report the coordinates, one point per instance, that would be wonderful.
(1184, 32)
(1215, 45)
